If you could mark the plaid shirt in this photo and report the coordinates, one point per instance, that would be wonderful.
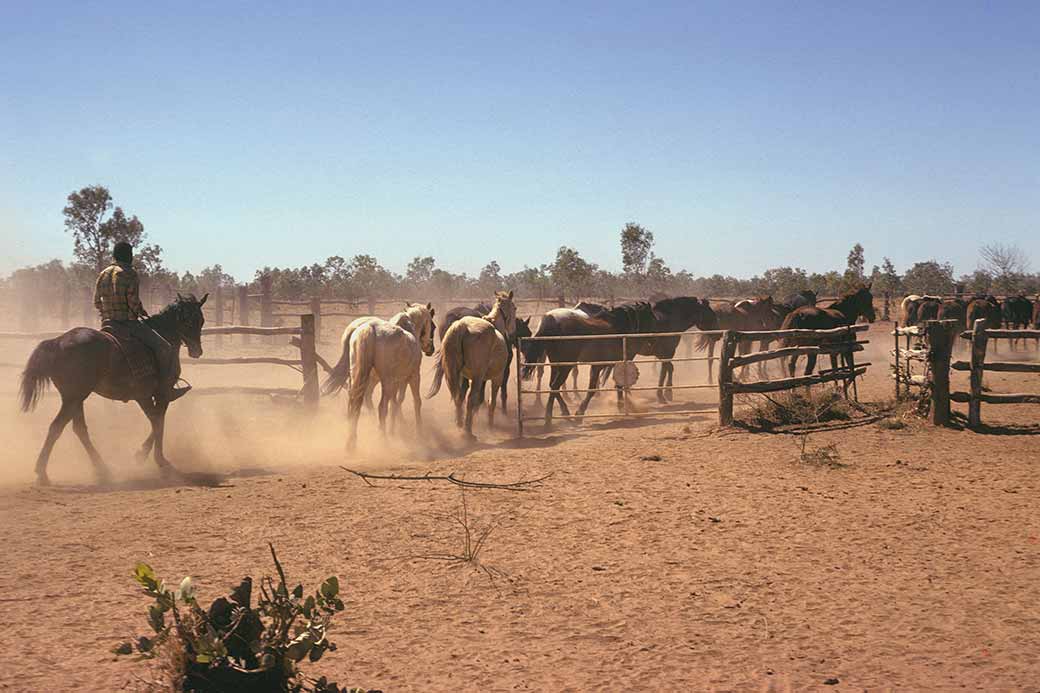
(116, 295)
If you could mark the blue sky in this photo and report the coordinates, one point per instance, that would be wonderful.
(744, 135)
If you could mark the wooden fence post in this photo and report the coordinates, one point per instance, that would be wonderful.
(243, 310)
(371, 305)
(561, 301)
(309, 361)
(218, 312)
(729, 347)
(941, 335)
(266, 307)
(978, 361)
(316, 312)
(519, 388)
(895, 353)
(885, 307)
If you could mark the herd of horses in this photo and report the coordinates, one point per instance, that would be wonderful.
(476, 350)
(1014, 312)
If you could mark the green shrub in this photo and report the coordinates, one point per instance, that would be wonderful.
(234, 645)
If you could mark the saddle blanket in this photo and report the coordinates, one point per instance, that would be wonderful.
(139, 358)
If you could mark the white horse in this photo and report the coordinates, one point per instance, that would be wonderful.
(388, 352)
(476, 349)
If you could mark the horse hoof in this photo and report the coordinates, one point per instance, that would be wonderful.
(43, 480)
(168, 471)
(140, 456)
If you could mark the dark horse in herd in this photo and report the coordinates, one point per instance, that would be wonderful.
(667, 315)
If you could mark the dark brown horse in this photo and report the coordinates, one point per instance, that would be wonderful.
(845, 311)
(744, 316)
(986, 307)
(83, 361)
(928, 309)
(953, 309)
(1018, 311)
(630, 318)
(675, 315)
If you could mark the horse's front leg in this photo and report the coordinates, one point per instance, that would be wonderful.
(159, 435)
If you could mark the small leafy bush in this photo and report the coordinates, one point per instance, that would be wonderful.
(234, 645)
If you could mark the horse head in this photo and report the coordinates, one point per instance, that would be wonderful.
(422, 319)
(523, 328)
(682, 312)
(865, 303)
(504, 310)
(190, 319)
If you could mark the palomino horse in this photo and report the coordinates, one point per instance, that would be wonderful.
(475, 350)
(844, 311)
(912, 306)
(630, 318)
(83, 361)
(748, 315)
(478, 311)
(389, 351)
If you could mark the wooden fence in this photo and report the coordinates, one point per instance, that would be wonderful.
(940, 336)
(980, 337)
(840, 341)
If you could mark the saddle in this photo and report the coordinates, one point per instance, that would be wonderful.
(140, 360)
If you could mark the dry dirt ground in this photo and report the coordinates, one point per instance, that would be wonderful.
(660, 555)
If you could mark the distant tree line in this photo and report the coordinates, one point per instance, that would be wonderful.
(95, 224)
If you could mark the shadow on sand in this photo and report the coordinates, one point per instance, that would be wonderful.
(179, 479)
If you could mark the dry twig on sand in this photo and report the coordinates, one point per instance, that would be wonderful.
(522, 485)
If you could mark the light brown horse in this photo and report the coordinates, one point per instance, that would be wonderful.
(476, 350)
(390, 351)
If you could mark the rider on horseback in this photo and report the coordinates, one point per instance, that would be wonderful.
(117, 298)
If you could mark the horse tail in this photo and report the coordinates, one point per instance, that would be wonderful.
(37, 373)
(453, 357)
(438, 372)
(361, 367)
(340, 373)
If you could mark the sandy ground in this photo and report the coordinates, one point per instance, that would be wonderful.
(727, 564)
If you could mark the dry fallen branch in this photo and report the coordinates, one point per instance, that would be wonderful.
(523, 485)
